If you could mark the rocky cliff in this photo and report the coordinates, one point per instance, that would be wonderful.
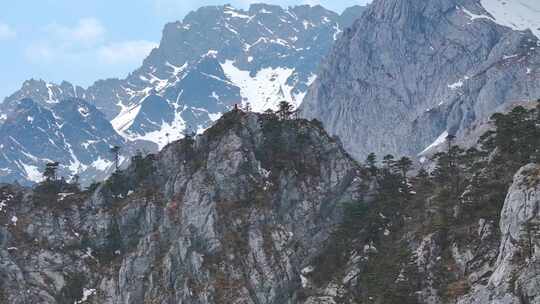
(264, 210)
(409, 72)
(232, 216)
(515, 277)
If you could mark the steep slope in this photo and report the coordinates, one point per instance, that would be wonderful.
(466, 232)
(515, 278)
(230, 217)
(409, 72)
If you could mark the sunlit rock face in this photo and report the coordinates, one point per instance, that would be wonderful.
(230, 217)
(409, 71)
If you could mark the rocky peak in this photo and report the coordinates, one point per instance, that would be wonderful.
(232, 216)
(351, 14)
(45, 93)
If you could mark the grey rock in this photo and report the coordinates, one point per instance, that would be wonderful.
(221, 219)
(515, 277)
(408, 71)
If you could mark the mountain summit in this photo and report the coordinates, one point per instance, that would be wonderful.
(231, 217)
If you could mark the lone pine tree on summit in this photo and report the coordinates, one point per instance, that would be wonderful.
(50, 171)
(285, 110)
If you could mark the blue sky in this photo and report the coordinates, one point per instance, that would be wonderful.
(85, 40)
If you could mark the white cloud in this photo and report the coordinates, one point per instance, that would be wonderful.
(125, 52)
(87, 32)
(85, 44)
(6, 32)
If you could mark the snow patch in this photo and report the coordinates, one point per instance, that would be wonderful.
(173, 129)
(518, 15)
(125, 118)
(440, 140)
(50, 93)
(456, 85)
(235, 14)
(101, 164)
(84, 111)
(176, 69)
(32, 173)
(264, 90)
(86, 294)
(474, 16)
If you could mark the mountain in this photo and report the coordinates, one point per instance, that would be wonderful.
(216, 57)
(69, 131)
(408, 73)
(219, 56)
(264, 210)
(230, 217)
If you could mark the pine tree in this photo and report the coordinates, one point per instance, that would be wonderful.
(388, 162)
(285, 110)
(422, 174)
(371, 163)
(450, 140)
(50, 171)
(115, 151)
(404, 164)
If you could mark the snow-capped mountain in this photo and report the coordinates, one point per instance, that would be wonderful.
(71, 131)
(410, 72)
(216, 57)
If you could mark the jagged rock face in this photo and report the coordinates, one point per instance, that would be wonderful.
(232, 217)
(70, 131)
(45, 93)
(474, 262)
(515, 278)
(408, 71)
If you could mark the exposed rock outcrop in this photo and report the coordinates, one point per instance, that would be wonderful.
(230, 217)
(516, 275)
(409, 71)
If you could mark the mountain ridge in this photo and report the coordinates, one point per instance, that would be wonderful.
(216, 57)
